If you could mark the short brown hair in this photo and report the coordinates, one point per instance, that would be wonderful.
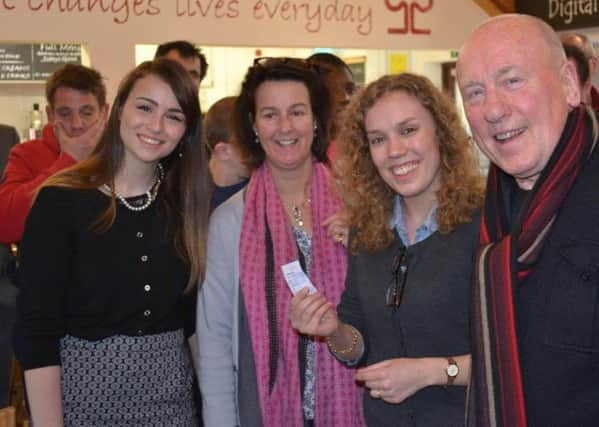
(218, 122)
(77, 77)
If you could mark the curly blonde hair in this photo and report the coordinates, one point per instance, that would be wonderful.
(369, 200)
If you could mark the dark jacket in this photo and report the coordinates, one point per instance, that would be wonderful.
(557, 312)
(432, 320)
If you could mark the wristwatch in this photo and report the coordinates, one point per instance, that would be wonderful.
(452, 370)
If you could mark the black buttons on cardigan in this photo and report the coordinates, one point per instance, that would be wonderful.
(140, 332)
(147, 287)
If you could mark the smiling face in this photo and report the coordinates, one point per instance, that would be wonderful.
(517, 90)
(151, 121)
(284, 123)
(404, 146)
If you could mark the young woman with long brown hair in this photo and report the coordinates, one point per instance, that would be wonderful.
(112, 251)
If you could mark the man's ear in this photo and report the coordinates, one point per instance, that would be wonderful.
(221, 150)
(569, 79)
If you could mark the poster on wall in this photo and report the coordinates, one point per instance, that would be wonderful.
(35, 62)
(15, 62)
(48, 57)
(398, 63)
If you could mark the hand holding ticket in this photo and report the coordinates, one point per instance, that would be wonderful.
(296, 278)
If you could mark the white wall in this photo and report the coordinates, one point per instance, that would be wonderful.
(227, 67)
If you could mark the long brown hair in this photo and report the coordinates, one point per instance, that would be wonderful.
(369, 200)
(184, 195)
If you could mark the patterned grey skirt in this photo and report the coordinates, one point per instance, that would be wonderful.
(127, 381)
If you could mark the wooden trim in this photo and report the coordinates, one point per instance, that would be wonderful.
(496, 7)
(8, 417)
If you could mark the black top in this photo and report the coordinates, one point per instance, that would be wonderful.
(431, 321)
(92, 285)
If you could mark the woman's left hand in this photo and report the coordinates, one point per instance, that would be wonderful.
(337, 227)
(394, 380)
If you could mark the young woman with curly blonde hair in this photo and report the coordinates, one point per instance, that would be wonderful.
(412, 187)
(370, 200)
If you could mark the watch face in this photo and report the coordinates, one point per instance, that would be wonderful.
(452, 370)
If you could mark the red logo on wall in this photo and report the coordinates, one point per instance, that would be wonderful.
(409, 10)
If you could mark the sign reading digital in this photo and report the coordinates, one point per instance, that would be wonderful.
(563, 14)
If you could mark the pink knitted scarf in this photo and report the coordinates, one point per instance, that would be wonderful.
(338, 398)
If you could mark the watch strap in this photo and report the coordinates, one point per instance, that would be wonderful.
(452, 370)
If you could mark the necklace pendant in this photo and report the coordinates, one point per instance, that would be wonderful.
(297, 216)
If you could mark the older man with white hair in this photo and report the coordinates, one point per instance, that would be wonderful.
(535, 351)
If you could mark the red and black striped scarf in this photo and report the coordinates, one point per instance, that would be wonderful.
(508, 254)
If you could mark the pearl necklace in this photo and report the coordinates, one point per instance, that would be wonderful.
(150, 194)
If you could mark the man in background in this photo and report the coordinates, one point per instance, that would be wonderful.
(578, 58)
(227, 170)
(590, 95)
(77, 111)
(340, 83)
(186, 54)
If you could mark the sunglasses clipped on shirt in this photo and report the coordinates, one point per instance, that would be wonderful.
(399, 275)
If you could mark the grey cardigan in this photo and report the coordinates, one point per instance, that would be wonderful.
(227, 379)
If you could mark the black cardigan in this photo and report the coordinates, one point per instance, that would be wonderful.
(92, 285)
(432, 319)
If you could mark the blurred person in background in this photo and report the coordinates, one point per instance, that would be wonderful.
(590, 95)
(190, 57)
(77, 112)
(228, 172)
(339, 80)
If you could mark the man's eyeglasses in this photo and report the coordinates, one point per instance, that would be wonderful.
(398, 278)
